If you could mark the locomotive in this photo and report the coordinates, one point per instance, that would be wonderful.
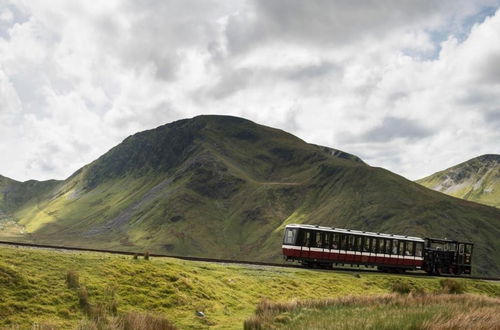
(316, 246)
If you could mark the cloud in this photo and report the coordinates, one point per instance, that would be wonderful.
(394, 128)
(407, 85)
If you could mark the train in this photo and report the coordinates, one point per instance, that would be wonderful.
(323, 247)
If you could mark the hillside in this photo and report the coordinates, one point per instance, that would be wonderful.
(225, 187)
(476, 180)
(14, 194)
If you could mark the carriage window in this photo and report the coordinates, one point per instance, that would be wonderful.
(394, 246)
(350, 243)
(402, 250)
(307, 239)
(410, 248)
(326, 240)
(317, 241)
(452, 247)
(468, 248)
(357, 243)
(343, 242)
(388, 246)
(381, 247)
(335, 241)
(461, 249)
(366, 244)
(438, 246)
(418, 249)
(290, 236)
(374, 245)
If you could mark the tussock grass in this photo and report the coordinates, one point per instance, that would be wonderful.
(72, 279)
(449, 285)
(128, 321)
(387, 311)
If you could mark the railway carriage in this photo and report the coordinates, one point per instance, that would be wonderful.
(316, 246)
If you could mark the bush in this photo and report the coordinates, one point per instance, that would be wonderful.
(401, 287)
(72, 279)
(83, 299)
(136, 256)
(146, 255)
(449, 285)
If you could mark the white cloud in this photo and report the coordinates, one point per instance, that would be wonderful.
(412, 86)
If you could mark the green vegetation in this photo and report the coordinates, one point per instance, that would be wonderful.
(225, 187)
(388, 311)
(476, 180)
(68, 289)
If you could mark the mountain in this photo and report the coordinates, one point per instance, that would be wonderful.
(225, 187)
(476, 180)
(14, 194)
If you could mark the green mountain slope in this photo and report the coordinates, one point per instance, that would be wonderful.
(226, 187)
(476, 180)
(13, 195)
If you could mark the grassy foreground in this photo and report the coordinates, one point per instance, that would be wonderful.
(388, 311)
(64, 289)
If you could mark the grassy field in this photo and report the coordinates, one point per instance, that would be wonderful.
(67, 289)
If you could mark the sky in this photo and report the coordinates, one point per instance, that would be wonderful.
(409, 85)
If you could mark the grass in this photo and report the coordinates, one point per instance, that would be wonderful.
(35, 289)
(387, 311)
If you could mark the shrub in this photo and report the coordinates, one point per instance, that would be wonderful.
(136, 256)
(146, 255)
(72, 279)
(83, 299)
(401, 287)
(449, 285)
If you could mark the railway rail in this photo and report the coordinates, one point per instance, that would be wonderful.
(223, 261)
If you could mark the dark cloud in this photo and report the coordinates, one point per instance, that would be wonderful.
(493, 118)
(489, 69)
(230, 81)
(393, 128)
(313, 71)
(325, 22)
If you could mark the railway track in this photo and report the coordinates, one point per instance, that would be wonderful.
(223, 261)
